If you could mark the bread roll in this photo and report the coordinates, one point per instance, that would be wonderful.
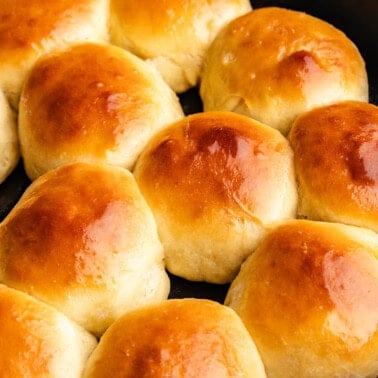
(9, 149)
(38, 341)
(83, 239)
(177, 338)
(173, 35)
(216, 181)
(94, 103)
(336, 156)
(272, 64)
(309, 298)
(32, 28)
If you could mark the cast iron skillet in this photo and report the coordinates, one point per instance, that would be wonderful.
(357, 18)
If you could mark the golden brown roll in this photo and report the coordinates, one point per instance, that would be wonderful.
(273, 64)
(216, 181)
(309, 298)
(30, 29)
(38, 341)
(177, 338)
(173, 35)
(83, 239)
(94, 103)
(9, 149)
(336, 156)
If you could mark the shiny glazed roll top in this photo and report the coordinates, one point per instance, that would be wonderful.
(216, 182)
(30, 29)
(83, 239)
(273, 64)
(37, 341)
(172, 35)
(177, 338)
(336, 161)
(94, 103)
(309, 298)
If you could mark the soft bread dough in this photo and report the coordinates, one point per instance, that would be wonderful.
(309, 298)
(83, 239)
(273, 64)
(335, 157)
(30, 29)
(94, 103)
(172, 35)
(9, 148)
(177, 338)
(216, 182)
(37, 341)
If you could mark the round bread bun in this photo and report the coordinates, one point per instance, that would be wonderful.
(273, 64)
(36, 340)
(173, 35)
(177, 338)
(94, 103)
(336, 156)
(216, 181)
(9, 149)
(29, 29)
(309, 298)
(82, 239)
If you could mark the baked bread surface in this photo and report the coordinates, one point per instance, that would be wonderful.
(92, 102)
(273, 64)
(216, 182)
(37, 341)
(30, 29)
(177, 338)
(82, 239)
(335, 156)
(172, 35)
(309, 298)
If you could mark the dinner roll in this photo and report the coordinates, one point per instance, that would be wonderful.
(273, 64)
(29, 29)
(94, 103)
(38, 341)
(336, 156)
(9, 149)
(216, 181)
(177, 338)
(83, 239)
(173, 35)
(309, 298)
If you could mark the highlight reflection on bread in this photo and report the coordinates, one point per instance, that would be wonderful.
(273, 64)
(173, 35)
(94, 103)
(30, 29)
(336, 159)
(177, 338)
(83, 239)
(9, 149)
(216, 181)
(36, 340)
(309, 298)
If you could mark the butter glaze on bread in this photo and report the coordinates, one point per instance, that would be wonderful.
(9, 149)
(83, 239)
(309, 298)
(29, 29)
(177, 338)
(94, 103)
(216, 182)
(173, 35)
(273, 64)
(37, 341)
(336, 160)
